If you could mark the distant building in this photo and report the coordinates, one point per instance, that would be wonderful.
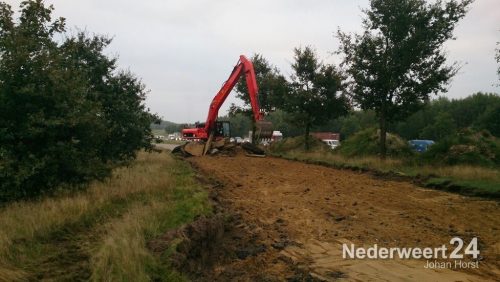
(326, 135)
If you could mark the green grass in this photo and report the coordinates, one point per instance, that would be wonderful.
(101, 234)
(475, 187)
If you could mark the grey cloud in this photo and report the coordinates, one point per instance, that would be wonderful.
(184, 50)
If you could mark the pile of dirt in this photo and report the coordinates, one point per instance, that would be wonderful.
(200, 148)
(220, 147)
(366, 143)
(467, 147)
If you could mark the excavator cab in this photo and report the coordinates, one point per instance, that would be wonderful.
(222, 129)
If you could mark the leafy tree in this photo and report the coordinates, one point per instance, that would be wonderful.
(466, 111)
(66, 116)
(172, 127)
(411, 127)
(443, 126)
(490, 120)
(315, 92)
(272, 86)
(167, 126)
(497, 57)
(283, 122)
(120, 95)
(355, 122)
(240, 124)
(398, 61)
(349, 124)
(477, 111)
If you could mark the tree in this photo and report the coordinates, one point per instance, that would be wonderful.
(120, 95)
(497, 57)
(66, 115)
(272, 86)
(171, 127)
(478, 111)
(240, 123)
(398, 61)
(443, 126)
(283, 122)
(466, 111)
(315, 95)
(490, 120)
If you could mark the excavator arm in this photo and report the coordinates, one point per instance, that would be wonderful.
(243, 67)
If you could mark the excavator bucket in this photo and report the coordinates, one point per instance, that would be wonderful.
(190, 149)
(264, 129)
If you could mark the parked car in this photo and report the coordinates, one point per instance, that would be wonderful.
(420, 146)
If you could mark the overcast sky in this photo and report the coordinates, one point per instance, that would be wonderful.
(184, 50)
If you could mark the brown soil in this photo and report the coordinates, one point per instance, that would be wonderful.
(290, 220)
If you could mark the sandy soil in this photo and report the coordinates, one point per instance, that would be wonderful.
(295, 218)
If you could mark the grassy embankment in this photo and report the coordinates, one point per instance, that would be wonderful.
(465, 179)
(101, 234)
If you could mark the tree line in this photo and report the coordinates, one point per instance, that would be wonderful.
(387, 78)
(68, 115)
(437, 120)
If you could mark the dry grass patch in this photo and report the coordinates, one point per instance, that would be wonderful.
(123, 211)
(471, 180)
(462, 172)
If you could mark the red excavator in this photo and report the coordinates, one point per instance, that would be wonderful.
(215, 130)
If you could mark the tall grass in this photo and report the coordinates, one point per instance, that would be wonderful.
(369, 162)
(461, 172)
(117, 216)
(472, 175)
(121, 255)
(359, 152)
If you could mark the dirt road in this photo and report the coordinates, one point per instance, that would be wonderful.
(299, 215)
(166, 146)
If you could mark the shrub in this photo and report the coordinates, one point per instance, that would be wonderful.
(366, 143)
(297, 144)
(467, 147)
(66, 115)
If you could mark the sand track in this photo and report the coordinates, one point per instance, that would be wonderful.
(304, 212)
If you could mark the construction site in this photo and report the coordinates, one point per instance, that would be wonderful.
(289, 221)
(281, 219)
(299, 141)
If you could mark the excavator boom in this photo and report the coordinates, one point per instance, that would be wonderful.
(243, 67)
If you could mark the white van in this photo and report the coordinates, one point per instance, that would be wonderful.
(332, 143)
